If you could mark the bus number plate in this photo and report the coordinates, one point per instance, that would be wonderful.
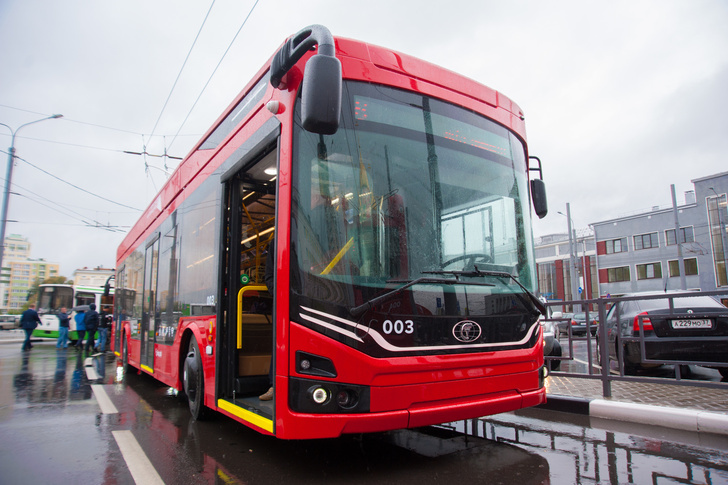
(702, 323)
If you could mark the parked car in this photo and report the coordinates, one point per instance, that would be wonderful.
(551, 345)
(9, 322)
(579, 324)
(691, 330)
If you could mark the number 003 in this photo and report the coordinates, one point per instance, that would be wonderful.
(398, 327)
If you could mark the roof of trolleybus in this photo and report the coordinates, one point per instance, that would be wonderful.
(360, 61)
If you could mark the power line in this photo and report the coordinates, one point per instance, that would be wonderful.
(86, 223)
(121, 130)
(213, 72)
(76, 186)
(182, 68)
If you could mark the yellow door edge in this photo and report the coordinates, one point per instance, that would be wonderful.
(245, 415)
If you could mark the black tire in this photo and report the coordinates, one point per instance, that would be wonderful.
(556, 352)
(194, 381)
(598, 352)
(630, 369)
(124, 355)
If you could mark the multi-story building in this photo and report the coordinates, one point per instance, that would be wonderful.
(554, 254)
(642, 252)
(20, 273)
(95, 277)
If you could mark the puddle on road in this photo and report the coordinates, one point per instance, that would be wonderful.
(578, 453)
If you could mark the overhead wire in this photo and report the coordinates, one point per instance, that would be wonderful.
(76, 186)
(213, 72)
(58, 207)
(182, 69)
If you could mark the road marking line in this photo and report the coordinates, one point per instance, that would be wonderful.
(141, 469)
(107, 407)
(91, 374)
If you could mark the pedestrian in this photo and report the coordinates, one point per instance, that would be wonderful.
(80, 328)
(63, 324)
(104, 324)
(92, 324)
(28, 321)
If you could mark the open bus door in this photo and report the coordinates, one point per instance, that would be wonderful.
(245, 338)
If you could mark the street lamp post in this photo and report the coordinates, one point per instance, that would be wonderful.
(721, 225)
(8, 178)
(572, 259)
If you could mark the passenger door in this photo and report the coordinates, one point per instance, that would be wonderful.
(150, 306)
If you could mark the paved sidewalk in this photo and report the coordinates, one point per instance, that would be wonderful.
(664, 395)
(681, 407)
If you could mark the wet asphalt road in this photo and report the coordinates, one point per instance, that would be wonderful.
(53, 430)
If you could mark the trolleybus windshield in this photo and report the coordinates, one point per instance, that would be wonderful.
(408, 186)
(53, 298)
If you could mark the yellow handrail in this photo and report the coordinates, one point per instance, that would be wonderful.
(338, 257)
(240, 309)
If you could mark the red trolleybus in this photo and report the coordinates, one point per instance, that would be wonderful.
(393, 198)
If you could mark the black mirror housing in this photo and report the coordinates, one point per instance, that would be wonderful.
(321, 95)
(538, 196)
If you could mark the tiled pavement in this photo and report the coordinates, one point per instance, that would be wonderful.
(665, 395)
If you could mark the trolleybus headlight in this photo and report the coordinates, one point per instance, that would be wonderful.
(346, 398)
(319, 395)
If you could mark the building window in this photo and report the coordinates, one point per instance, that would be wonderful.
(617, 245)
(649, 271)
(546, 252)
(615, 275)
(646, 241)
(686, 235)
(691, 267)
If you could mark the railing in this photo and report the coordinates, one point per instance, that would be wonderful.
(601, 354)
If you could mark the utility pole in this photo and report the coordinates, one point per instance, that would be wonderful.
(722, 226)
(8, 178)
(681, 263)
(572, 258)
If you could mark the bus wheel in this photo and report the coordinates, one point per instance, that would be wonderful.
(124, 355)
(193, 380)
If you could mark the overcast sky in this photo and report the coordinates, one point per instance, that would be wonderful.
(622, 98)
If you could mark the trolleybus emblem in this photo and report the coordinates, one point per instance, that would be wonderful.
(466, 331)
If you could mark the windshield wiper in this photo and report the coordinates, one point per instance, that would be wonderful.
(501, 274)
(359, 310)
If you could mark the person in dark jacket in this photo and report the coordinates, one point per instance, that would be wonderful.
(63, 323)
(28, 321)
(92, 323)
(104, 324)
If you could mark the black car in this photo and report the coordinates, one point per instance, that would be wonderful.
(694, 330)
(578, 323)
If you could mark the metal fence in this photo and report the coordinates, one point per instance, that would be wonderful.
(597, 353)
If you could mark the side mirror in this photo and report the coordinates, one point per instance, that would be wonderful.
(557, 315)
(321, 89)
(538, 196)
(321, 95)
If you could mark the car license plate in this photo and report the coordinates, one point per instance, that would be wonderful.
(694, 323)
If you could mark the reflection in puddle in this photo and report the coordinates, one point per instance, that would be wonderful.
(581, 454)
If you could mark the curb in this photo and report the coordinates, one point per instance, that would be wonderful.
(683, 419)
